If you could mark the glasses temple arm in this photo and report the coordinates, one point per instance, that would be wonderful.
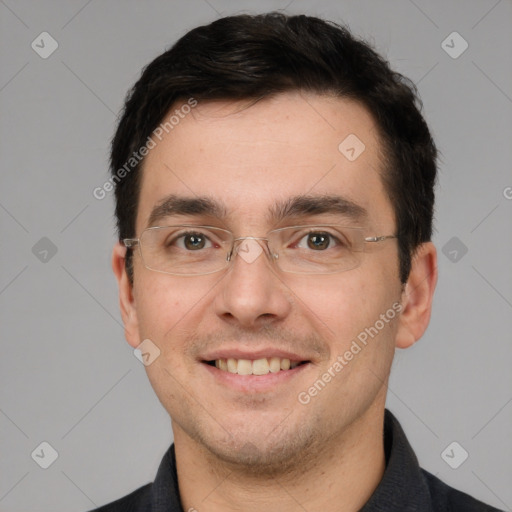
(379, 238)
(130, 242)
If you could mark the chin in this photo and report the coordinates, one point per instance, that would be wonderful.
(257, 452)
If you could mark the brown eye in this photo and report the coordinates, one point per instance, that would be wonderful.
(194, 241)
(318, 241)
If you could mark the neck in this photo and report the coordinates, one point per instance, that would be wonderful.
(341, 477)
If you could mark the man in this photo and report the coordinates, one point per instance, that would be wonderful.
(275, 189)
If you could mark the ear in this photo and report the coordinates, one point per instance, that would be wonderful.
(417, 296)
(126, 297)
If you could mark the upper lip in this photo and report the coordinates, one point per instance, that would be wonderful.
(237, 353)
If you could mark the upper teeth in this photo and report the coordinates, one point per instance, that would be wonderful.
(256, 367)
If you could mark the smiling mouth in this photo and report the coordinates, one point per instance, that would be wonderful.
(262, 366)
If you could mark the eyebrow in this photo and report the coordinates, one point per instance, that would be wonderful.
(303, 205)
(293, 207)
(178, 205)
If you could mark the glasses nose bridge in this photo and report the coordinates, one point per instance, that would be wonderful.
(237, 244)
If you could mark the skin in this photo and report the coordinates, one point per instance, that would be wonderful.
(245, 449)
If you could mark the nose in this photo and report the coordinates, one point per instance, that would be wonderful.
(252, 293)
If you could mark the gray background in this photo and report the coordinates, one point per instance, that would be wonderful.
(67, 375)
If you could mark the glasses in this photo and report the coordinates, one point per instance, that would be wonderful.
(189, 250)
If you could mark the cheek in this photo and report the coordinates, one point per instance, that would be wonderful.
(169, 310)
(343, 307)
(337, 303)
(166, 304)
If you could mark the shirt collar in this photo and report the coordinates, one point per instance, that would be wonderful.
(403, 486)
(165, 495)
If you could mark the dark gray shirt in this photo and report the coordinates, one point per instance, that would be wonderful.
(404, 487)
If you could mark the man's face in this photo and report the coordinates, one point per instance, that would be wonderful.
(250, 160)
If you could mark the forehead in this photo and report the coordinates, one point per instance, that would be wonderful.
(251, 157)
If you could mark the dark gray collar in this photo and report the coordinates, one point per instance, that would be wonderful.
(403, 486)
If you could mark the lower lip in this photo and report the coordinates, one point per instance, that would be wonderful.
(254, 383)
